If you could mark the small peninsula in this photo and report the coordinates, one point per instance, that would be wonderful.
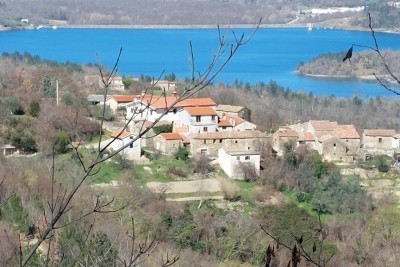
(363, 65)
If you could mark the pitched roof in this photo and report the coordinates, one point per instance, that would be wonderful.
(196, 102)
(96, 98)
(346, 132)
(224, 123)
(235, 119)
(327, 138)
(380, 132)
(171, 136)
(158, 102)
(323, 125)
(124, 98)
(229, 108)
(201, 111)
(306, 137)
(230, 135)
(287, 133)
(122, 135)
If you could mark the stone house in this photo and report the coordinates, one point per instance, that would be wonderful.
(133, 151)
(7, 150)
(164, 85)
(96, 81)
(238, 111)
(349, 135)
(210, 143)
(333, 148)
(230, 160)
(282, 137)
(240, 124)
(169, 143)
(378, 141)
(97, 99)
(225, 125)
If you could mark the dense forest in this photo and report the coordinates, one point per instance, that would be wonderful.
(156, 12)
(298, 199)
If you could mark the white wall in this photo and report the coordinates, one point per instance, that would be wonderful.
(230, 162)
(132, 151)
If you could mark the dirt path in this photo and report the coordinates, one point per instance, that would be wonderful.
(204, 185)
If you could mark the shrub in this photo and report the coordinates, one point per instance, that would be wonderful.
(165, 128)
(34, 109)
(182, 154)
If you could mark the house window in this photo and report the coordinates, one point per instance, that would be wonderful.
(213, 141)
(237, 158)
(213, 117)
(247, 157)
(334, 144)
(205, 141)
(380, 140)
(236, 141)
(220, 141)
(205, 129)
(174, 110)
(223, 127)
(198, 118)
(151, 112)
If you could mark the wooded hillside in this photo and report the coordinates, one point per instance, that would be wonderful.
(180, 12)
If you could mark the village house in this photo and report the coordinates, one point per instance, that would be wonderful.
(199, 119)
(283, 137)
(238, 111)
(164, 85)
(169, 143)
(332, 148)
(378, 141)
(117, 102)
(231, 160)
(210, 143)
(7, 150)
(151, 108)
(133, 151)
(97, 99)
(96, 81)
(239, 124)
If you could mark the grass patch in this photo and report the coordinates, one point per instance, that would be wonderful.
(108, 172)
(193, 194)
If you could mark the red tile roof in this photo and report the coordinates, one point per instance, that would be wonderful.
(124, 98)
(201, 111)
(287, 133)
(306, 137)
(346, 132)
(171, 136)
(380, 132)
(230, 135)
(323, 125)
(224, 123)
(123, 135)
(236, 120)
(196, 102)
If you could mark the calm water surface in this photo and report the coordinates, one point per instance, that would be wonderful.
(273, 54)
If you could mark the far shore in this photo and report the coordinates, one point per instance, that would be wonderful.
(198, 26)
(370, 78)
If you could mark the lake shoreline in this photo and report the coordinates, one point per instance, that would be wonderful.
(200, 26)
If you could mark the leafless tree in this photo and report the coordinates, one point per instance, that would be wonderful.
(60, 203)
(382, 57)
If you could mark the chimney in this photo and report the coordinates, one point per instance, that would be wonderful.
(143, 92)
(174, 94)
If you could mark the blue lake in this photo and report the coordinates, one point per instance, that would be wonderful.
(273, 54)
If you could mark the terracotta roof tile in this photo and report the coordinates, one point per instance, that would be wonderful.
(306, 137)
(158, 102)
(196, 102)
(201, 111)
(346, 132)
(380, 132)
(235, 119)
(224, 123)
(124, 98)
(123, 135)
(171, 136)
(230, 135)
(323, 125)
(287, 133)
(229, 108)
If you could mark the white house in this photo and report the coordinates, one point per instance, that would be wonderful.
(123, 138)
(199, 119)
(240, 124)
(151, 107)
(231, 159)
